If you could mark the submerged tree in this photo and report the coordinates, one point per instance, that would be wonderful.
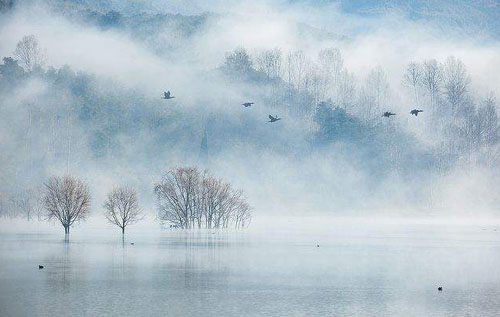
(176, 196)
(188, 199)
(66, 199)
(121, 207)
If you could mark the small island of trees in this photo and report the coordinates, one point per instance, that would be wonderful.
(188, 198)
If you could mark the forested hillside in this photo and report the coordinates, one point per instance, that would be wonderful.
(333, 138)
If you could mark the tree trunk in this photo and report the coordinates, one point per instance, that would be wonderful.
(123, 230)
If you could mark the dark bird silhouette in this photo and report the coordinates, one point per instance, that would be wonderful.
(247, 104)
(131, 243)
(415, 112)
(387, 114)
(317, 245)
(273, 119)
(40, 267)
(166, 95)
(440, 288)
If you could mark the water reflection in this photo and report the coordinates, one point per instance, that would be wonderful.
(177, 272)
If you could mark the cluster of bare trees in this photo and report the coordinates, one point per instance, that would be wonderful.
(471, 127)
(188, 198)
(448, 79)
(324, 77)
(444, 84)
(67, 199)
(475, 135)
(374, 95)
(26, 203)
(270, 62)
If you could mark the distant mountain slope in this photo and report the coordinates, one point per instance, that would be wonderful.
(468, 16)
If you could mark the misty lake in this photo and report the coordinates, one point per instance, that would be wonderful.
(359, 269)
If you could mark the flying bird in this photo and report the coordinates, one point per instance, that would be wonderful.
(415, 112)
(166, 95)
(247, 104)
(40, 267)
(273, 119)
(440, 288)
(387, 114)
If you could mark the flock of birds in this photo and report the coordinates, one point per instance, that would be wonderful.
(167, 95)
(414, 112)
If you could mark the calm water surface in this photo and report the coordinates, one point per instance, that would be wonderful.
(357, 270)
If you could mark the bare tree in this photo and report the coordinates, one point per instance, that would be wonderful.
(456, 82)
(121, 207)
(3, 209)
(412, 79)
(270, 63)
(297, 64)
(66, 199)
(378, 85)
(29, 53)
(242, 215)
(346, 89)
(488, 116)
(38, 202)
(314, 83)
(210, 189)
(331, 64)
(489, 133)
(431, 81)
(374, 94)
(24, 202)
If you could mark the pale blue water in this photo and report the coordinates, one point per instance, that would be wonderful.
(357, 271)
